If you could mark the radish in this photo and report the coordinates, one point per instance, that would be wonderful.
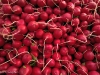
(26, 59)
(26, 70)
(36, 71)
(55, 71)
(17, 9)
(32, 26)
(89, 55)
(93, 72)
(63, 4)
(92, 64)
(28, 9)
(49, 37)
(47, 71)
(50, 62)
(55, 34)
(12, 71)
(66, 17)
(7, 9)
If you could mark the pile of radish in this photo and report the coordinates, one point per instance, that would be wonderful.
(49, 37)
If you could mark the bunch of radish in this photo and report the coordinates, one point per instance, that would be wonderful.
(49, 37)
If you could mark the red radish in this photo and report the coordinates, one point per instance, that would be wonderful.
(58, 64)
(7, 46)
(23, 15)
(55, 71)
(76, 11)
(75, 22)
(46, 71)
(89, 55)
(26, 70)
(63, 51)
(50, 62)
(64, 29)
(77, 62)
(90, 18)
(57, 11)
(50, 3)
(16, 44)
(56, 41)
(92, 5)
(49, 10)
(7, 9)
(27, 58)
(4, 67)
(14, 18)
(91, 66)
(3, 53)
(66, 17)
(32, 26)
(82, 70)
(28, 9)
(22, 29)
(29, 18)
(70, 6)
(40, 63)
(62, 72)
(41, 3)
(82, 48)
(56, 56)
(85, 10)
(21, 3)
(71, 50)
(81, 38)
(47, 54)
(17, 63)
(63, 4)
(36, 71)
(17, 9)
(2, 41)
(48, 37)
(12, 70)
(39, 33)
(34, 53)
(97, 47)
(34, 2)
(78, 55)
(83, 16)
(27, 42)
(96, 29)
(56, 35)
(22, 50)
(33, 47)
(44, 16)
(48, 47)
(98, 57)
(71, 40)
(93, 73)
(64, 59)
(2, 60)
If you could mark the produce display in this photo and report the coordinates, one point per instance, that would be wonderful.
(49, 37)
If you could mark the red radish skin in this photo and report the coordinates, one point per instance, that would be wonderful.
(12, 71)
(47, 71)
(36, 71)
(55, 71)
(89, 55)
(26, 59)
(49, 37)
(50, 62)
(26, 70)
(92, 64)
